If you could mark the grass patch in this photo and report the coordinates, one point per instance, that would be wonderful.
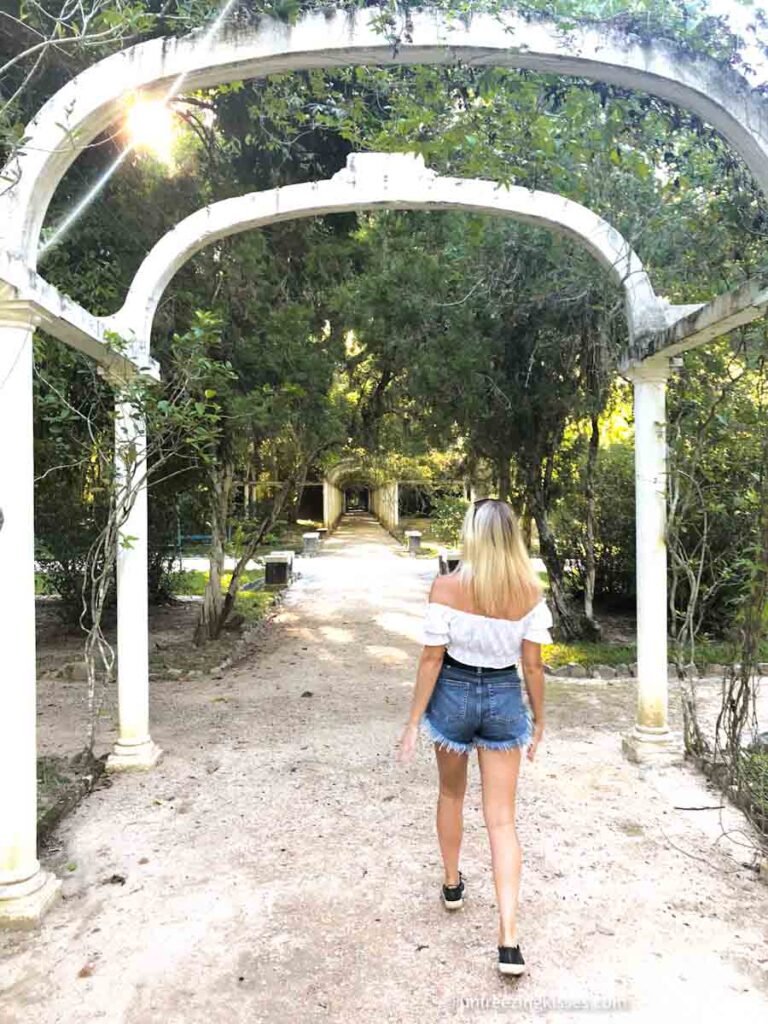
(192, 582)
(254, 603)
(585, 653)
(42, 585)
(753, 768)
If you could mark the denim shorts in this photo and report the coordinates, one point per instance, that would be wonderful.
(471, 708)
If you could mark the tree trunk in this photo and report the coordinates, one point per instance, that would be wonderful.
(590, 568)
(504, 478)
(571, 622)
(208, 624)
(295, 503)
(217, 607)
(248, 552)
(526, 526)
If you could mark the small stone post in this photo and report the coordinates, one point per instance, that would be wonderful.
(311, 542)
(277, 568)
(413, 538)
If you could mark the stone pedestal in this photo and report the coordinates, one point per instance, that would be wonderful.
(413, 540)
(133, 756)
(322, 532)
(311, 542)
(289, 555)
(660, 747)
(277, 569)
(29, 900)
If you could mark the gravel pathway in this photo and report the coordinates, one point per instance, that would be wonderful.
(280, 866)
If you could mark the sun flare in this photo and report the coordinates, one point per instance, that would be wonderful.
(151, 127)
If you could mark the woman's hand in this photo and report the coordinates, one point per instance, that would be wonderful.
(407, 743)
(538, 732)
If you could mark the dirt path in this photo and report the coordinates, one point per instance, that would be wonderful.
(279, 866)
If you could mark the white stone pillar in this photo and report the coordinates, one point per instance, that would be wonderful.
(134, 747)
(26, 890)
(651, 738)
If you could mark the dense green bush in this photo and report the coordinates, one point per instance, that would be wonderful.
(447, 517)
(614, 526)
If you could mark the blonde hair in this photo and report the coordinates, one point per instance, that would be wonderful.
(495, 564)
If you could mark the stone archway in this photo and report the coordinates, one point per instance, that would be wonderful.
(398, 182)
(401, 181)
(333, 38)
(382, 492)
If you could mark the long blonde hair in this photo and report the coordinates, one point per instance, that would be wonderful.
(495, 564)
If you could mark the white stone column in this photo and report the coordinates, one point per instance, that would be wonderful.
(651, 739)
(134, 747)
(26, 890)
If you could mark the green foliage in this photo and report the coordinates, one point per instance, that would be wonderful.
(447, 518)
(717, 454)
(615, 524)
(192, 582)
(404, 335)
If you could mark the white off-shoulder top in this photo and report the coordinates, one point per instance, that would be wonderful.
(481, 640)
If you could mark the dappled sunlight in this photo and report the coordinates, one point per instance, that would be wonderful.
(388, 655)
(406, 626)
(336, 635)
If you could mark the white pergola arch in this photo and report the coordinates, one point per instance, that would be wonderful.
(400, 181)
(394, 181)
(384, 492)
(89, 104)
(92, 101)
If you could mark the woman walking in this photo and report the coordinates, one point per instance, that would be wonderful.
(482, 620)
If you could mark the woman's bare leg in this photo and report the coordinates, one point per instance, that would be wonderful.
(499, 770)
(452, 769)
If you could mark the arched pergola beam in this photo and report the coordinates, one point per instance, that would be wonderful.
(392, 181)
(92, 101)
(346, 473)
(383, 492)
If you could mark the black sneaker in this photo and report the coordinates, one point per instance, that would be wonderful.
(453, 895)
(511, 960)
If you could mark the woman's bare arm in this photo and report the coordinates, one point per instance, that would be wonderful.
(533, 673)
(430, 662)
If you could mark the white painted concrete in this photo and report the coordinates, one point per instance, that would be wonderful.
(134, 747)
(696, 325)
(651, 734)
(65, 319)
(25, 890)
(385, 504)
(391, 181)
(93, 100)
(333, 503)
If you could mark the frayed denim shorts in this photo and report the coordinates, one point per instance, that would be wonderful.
(472, 707)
